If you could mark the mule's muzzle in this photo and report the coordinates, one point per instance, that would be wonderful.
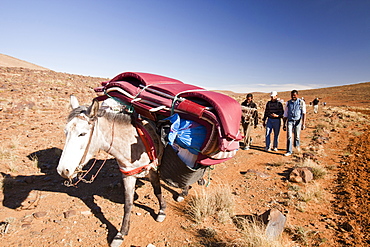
(66, 173)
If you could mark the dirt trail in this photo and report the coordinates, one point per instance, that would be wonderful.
(38, 210)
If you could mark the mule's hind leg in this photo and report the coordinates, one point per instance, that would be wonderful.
(184, 192)
(155, 181)
(129, 187)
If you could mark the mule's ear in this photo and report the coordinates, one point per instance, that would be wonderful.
(74, 101)
(92, 111)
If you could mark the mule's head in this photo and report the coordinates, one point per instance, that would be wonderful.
(79, 145)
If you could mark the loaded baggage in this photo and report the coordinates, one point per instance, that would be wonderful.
(157, 97)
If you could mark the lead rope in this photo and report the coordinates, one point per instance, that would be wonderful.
(82, 178)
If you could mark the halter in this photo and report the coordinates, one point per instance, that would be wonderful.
(145, 138)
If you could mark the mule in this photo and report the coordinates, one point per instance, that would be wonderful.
(92, 128)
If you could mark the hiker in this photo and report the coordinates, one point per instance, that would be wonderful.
(273, 113)
(294, 121)
(249, 119)
(315, 103)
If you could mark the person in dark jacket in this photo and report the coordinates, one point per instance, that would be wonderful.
(249, 119)
(273, 114)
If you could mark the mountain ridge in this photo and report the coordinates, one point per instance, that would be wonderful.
(9, 61)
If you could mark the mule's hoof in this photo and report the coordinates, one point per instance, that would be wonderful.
(160, 217)
(117, 240)
(201, 182)
(180, 198)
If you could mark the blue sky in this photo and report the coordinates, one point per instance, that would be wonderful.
(239, 45)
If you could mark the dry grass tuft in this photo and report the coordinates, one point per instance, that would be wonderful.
(14, 142)
(216, 202)
(313, 192)
(8, 157)
(35, 160)
(254, 235)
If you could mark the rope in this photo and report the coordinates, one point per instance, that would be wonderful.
(176, 98)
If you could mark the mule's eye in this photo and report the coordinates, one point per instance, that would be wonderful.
(82, 134)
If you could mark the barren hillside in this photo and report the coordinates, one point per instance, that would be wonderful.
(39, 210)
(8, 61)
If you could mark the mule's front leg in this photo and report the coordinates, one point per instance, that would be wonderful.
(129, 187)
(155, 181)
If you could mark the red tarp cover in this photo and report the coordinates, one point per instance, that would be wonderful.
(147, 91)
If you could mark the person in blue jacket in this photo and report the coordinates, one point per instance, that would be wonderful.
(294, 121)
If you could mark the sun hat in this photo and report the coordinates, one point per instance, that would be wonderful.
(273, 93)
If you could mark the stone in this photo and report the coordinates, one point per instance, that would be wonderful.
(38, 215)
(86, 213)
(301, 174)
(275, 222)
(26, 225)
(70, 213)
(27, 219)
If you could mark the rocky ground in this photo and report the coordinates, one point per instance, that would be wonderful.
(39, 210)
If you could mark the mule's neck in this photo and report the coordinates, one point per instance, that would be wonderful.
(122, 141)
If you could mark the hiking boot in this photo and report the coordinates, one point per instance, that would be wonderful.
(288, 154)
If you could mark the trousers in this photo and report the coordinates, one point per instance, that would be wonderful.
(247, 127)
(293, 131)
(273, 124)
(315, 108)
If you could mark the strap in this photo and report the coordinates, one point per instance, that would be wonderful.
(150, 149)
(136, 170)
(89, 141)
(148, 142)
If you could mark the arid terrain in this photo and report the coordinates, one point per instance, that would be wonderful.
(37, 209)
